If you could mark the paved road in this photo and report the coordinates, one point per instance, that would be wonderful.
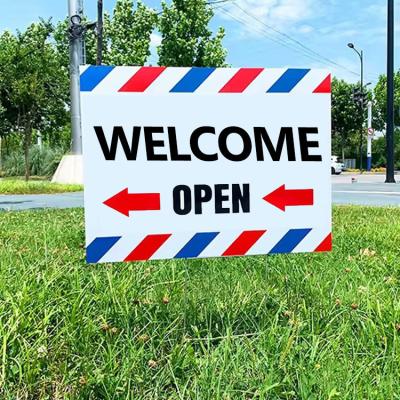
(366, 190)
(27, 202)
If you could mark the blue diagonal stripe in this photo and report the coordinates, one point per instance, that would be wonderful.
(196, 245)
(290, 241)
(192, 80)
(93, 75)
(99, 247)
(287, 82)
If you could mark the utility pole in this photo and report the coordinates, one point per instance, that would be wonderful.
(99, 32)
(70, 169)
(390, 96)
(76, 33)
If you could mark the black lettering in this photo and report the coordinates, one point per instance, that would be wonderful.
(182, 199)
(223, 145)
(202, 194)
(286, 134)
(173, 145)
(151, 143)
(220, 198)
(118, 134)
(305, 144)
(240, 198)
(194, 144)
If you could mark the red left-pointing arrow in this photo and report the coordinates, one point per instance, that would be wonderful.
(124, 202)
(282, 197)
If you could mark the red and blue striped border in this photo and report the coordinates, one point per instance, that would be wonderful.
(144, 77)
(194, 248)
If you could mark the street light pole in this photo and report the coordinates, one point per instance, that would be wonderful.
(75, 32)
(361, 56)
(390, 96)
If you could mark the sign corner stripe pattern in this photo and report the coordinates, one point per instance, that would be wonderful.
(93, 75)
(192, 80)
(290, 241)
(196, 244)
(146, 76)
(325, 86)
(147, 247)
(241, 80)
(243, 243)
(99, 247)
(142, 79)
(288, 81)
(326, 245)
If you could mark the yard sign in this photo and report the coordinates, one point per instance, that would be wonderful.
(205, 162)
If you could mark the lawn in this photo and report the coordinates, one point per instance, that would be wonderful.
(317, 326)
(17, 186)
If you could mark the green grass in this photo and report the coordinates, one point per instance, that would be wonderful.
(278, 327)
(17, 186)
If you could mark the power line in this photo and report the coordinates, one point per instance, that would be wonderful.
(302, 45)
(271, 38)
(295, 41)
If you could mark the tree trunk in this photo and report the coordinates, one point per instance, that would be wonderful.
(27, 146)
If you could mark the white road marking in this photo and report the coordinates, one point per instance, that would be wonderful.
(366, 192)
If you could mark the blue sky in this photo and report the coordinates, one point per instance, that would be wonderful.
(255, 31)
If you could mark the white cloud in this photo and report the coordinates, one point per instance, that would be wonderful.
(288, 11)
(304, 29)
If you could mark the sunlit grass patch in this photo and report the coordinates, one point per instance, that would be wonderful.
(313, 326)
(35, 187)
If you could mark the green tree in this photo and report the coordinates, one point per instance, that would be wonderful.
(186, 38)
(32, 87)
(8, 43)
(380, 99)
(127, 34)
(346, 116)
(379, 151)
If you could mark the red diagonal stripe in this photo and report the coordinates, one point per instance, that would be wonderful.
(142, 79)
(241, 80)
(326, 244)
(243, 243)
(147, 247)
(324, 86)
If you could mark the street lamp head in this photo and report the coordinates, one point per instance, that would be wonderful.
(351, 45)
(76, 19)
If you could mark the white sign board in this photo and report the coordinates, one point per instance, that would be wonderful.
(205, 162)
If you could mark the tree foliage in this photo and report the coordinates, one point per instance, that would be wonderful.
(346, 116)
(32, 87)
(186, 37)
(381, 96)
(127, 34)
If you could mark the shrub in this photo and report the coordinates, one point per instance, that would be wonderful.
(43, 162)
(13, 164)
